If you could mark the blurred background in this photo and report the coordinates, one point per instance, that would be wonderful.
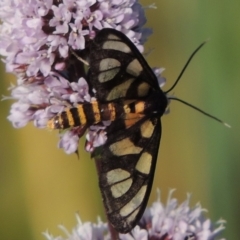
(41, 186)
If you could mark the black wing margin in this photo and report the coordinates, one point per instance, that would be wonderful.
(127, 166)
(118, 69)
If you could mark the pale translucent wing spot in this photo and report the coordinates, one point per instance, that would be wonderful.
(124, 147)
(108, 75)
(147, 129)
(143, 89)
(144, 163)
(121, 188)
(132, 217)
(134, 68)
(139, 107)
(116, 45)
(127, 102)
(108, 63)
(120, 90)
(113, 37)
(117, 175)
(134, 203)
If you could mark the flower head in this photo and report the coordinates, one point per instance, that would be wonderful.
(36, 40)
(83, 231)
(171, 221)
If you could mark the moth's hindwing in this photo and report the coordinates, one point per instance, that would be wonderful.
(127, 166)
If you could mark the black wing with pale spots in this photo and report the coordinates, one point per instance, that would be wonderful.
(127, 166)
(118, 69)
(126, 163)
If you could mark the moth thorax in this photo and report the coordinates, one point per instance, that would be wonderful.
(156, 103)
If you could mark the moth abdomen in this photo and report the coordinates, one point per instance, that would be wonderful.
(87, 114)
(96, 112)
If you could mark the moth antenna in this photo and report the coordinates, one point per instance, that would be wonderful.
(185, 66)
(201, 111)
(79, 58)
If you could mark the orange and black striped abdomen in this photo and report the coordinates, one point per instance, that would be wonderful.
(84, 114)
(95, 112)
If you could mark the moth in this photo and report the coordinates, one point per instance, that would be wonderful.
(128, 95)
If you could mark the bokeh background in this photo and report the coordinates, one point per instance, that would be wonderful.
(41, 186)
